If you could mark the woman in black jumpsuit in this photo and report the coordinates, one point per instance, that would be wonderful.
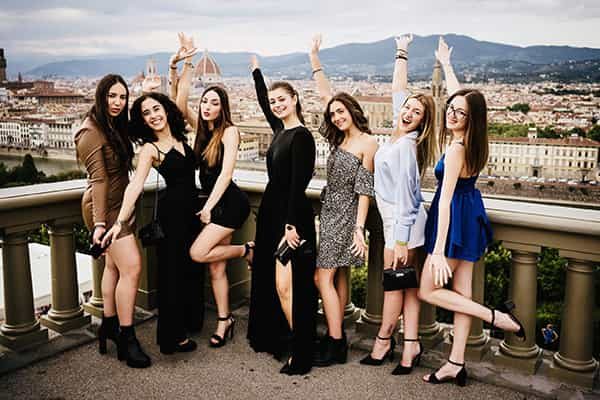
(290, 165)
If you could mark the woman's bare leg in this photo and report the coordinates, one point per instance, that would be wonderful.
(125, 254)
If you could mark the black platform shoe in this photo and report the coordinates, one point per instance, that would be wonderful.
(333, 351)
(221, 341)
(109, 329)
(460, 379)
(130, 350)
(401, 369)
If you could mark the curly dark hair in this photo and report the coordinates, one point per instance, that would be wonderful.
(332, 133)
(141, 133)
(114, 128)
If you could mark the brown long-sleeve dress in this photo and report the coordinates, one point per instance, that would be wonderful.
(107, 179)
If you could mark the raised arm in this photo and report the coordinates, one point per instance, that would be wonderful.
(400, 79)
(147, 156)
(453, 164)
(262, 95)
(442, 54)
(323, 86)
(186, 51)
(231, 141)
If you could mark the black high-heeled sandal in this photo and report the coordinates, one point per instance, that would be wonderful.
(507, 308)
(249, 247)
(460, 379)
(401, 369)
(221, 341)
(368, 360)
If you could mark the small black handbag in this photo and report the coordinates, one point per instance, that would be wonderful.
(152, 233)
(399, 279)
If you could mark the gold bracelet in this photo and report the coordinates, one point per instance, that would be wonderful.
(401, 243)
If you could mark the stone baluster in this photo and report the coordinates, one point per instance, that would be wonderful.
(95, 304)
(574, 362)
(66, 312)
(512, 352)
(20, 328)
(370, 318)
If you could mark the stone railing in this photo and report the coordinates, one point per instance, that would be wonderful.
(522, 227)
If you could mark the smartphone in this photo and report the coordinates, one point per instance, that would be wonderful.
(95, 249)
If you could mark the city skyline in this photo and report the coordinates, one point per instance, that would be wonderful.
(37, 31)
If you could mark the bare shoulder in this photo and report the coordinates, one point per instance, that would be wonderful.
(231, 135)
(455, 155)
(368, 144)
(148, 150)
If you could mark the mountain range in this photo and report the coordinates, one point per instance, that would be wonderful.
(472, 58)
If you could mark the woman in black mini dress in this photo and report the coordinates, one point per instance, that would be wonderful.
(227, 207)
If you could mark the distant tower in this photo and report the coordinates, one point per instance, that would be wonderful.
(207, 71)
(437, 91)
(2, 66)
(151, 68)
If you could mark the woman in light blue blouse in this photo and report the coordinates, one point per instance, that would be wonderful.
(399, 165)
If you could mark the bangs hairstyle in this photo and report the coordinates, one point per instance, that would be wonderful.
(426, 140)
(207, 143)
(114, 128)
(289, 89)
(140, 132)
(475, 139)
(330, 131)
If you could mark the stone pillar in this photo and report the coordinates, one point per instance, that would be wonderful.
(514, 353)
(147, 294)
(370, 319)
(237, 270)
(66, 313)
(574, 362)
(430, 331)
(351, 313)
(478, 342)
(20, 328)
(95, 304)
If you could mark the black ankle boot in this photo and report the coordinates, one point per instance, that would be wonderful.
(334, 351)
(109, 329)
(130, 349)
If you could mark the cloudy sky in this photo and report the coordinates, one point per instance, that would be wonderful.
(47, 30)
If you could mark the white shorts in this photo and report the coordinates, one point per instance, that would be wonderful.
(417, 231)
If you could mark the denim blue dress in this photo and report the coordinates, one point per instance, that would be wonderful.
(469, 231)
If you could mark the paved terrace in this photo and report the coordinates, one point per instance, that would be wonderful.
(231, 372)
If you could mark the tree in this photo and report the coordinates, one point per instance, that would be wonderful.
(577, 131)
(594, 133)
(522, 107)
(548, 132)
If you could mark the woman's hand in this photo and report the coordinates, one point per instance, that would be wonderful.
(97, 234)
(443, 52)
(316, 44)
(204, 215)
(403, 41)
(400, 255)
(440, 270)
(359, 245)
(291, 236)
(113, 232)
(151, 83)
(254, 63)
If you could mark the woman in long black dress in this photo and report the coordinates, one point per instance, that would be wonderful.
(157, 122)
(283, 300)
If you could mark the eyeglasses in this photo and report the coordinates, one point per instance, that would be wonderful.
(458, 113)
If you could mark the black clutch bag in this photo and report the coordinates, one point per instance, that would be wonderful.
(284, 252)
(152, 234)
(399, 279)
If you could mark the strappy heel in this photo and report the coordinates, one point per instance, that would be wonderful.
(401, 369)
(460, 379)
(221, 341)
(368, 360)
(249, 247)
(507, 308)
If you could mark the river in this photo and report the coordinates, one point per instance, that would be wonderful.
(48, 166)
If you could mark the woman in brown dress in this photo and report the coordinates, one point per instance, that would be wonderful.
(104, 148)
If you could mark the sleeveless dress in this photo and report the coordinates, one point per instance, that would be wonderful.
(346, 180)
(469, 231)
(180, 280)
(233, 207)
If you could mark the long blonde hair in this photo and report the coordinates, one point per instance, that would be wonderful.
(426, 141)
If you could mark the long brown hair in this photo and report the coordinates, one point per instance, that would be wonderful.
(211, 151)
(330, 131)
(114, 128)
(292, 92)
(426, 143)
(475, 140)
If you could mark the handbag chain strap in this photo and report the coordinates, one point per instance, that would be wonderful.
(155, 199)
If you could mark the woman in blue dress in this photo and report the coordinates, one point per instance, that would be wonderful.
(458, 230)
